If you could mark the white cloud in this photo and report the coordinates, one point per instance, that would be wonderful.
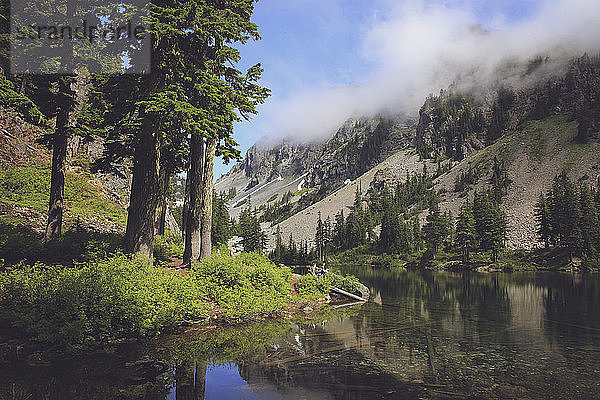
(419, 49)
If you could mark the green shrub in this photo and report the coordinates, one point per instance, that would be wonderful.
(311, 287)
(19, 243)
(168, 246)
(74, 307)
(125, 296)
(349, 283)
(244, 286)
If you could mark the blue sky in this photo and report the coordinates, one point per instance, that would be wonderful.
(337, 58)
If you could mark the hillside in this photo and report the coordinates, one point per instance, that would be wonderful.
(534, 154)
(302, 225)
(312, 171)
(95, 201)
(534, 132)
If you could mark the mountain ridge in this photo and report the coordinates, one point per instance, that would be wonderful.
(537, 125)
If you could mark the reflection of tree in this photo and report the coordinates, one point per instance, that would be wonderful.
(432, 330)
(131, 373)
(485, 308)
(96, 377)
(572, 322)
(190, 380)
(429, 323)
(200, 380)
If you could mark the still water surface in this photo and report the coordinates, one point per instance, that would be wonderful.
(421, 335)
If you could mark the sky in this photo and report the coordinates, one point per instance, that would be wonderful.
(328, 60)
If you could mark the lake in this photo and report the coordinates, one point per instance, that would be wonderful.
(421, 335)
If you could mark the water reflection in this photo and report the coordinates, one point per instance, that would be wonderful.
(425, 335)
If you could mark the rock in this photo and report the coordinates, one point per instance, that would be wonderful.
(364, 291)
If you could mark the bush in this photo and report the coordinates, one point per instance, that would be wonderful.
(244, 286)
(18, 243)
(349, 283)
(125, 296)
(74, 307)
(311, 287)
(168, 246)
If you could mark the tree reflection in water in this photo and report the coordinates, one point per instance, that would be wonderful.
(426, 335)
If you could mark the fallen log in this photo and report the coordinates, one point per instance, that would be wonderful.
(347, 294)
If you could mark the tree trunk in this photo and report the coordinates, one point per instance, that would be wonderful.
(200, 380)
(184, 381)
(192, 215)
(186, 207)
(57, 178)
(161, 210)
(207, 198)
(139, 236)
(65, 105)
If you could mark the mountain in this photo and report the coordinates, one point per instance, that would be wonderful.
(311, 171)
(535, 127)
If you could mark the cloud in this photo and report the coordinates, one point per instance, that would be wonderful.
(418, 48)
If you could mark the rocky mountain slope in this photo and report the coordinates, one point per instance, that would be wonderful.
(315, 170)
(535, 130)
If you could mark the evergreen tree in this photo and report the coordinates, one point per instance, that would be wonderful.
(543, 220)
(189, 102)
(356, 224)
(590, 220)
(221, 221)
(279, 252)
(437, 228)
(253, 237)
(416, 234)
(465, 231)
(490, 223)
(499, 180)
(339, 231)
(569, 217)
(320, 239)
(327, 237)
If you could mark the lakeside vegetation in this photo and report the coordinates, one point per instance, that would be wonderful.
(567, 221)
(124, 296)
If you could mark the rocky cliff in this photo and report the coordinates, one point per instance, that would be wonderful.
(316, 169)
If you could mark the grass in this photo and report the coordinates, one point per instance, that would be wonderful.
(30, 187)
(537, 135)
